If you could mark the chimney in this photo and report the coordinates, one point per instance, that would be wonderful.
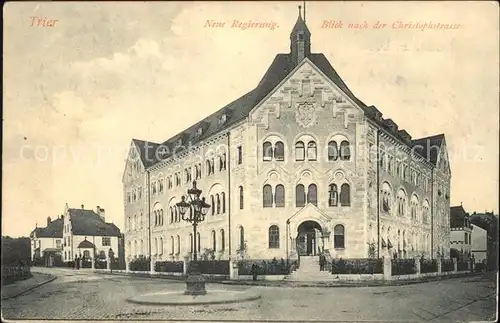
(62, 217)
(48, 221)
(82, 206)
(100, 213)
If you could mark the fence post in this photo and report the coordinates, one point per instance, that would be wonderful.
(387, 268)
(233, 270)
(108, 263)
(152, 266)
(439, 263)
(418, 266)
(127, 264)
(455, 266)
(92, 260)
(185, 267)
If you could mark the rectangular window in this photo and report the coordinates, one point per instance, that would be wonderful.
(58, 244)
(106, 241)
(240, 155)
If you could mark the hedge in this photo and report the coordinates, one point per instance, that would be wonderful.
(447, 265)
(140, 264)
(402, 267)
(265, 266)
(429, 266)
(461, 266)
(215, 267)
(12, 274)
(357, 266)
(169, 266)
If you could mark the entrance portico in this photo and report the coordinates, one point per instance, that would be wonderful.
(308, 232)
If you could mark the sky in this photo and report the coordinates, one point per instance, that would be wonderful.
(76, 93)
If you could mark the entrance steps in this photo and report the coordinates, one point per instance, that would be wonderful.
(309, 271)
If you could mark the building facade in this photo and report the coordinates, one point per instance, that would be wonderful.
(86, 234)
(460, 233)
(296, 166)
(46, 242)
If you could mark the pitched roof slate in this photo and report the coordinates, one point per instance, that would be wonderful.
(53, 230)
(240, 108)
(87, 222)
(457, 216)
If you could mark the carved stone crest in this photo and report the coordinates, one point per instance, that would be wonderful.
(306, 113)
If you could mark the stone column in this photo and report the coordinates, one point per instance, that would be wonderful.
(439, 266)
(455, 266)
(233, 270)
(127, 264)
(387, 268)
(418, 266)
(152, 266)
(92, 263)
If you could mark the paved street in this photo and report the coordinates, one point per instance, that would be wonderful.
(84, 295)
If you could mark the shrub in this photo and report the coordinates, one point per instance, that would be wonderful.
(429, 266)
(169, 266)
(215, 267)
(357, 266)
(402, 267)
(266, 267)
(479, 267)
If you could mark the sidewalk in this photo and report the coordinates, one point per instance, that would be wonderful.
(331, 284)
(18, 288)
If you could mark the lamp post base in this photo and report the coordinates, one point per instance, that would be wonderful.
(195, 282)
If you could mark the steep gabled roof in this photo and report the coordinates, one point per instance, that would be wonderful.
(36, 232)
(88, 223)
(429, 147)
(53, 230)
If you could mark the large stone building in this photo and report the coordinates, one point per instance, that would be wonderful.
(296, 165)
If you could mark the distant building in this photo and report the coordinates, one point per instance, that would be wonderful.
(460, 233)
(85, 233)
(489, 222)
(46, 242)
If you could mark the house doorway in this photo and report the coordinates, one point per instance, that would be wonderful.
(309, 238)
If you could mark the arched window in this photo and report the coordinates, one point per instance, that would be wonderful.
(223, 202)
(172, 245)
(414, 206)
(267, 196)
(401, 202)
(222, 240)
(300, 196)
(241, 197)
(161, 217)
(213, 204)
(214, 241)
(267, 151)
(274, 237)
(178, 244)
(242, 238)
(333, 195)
(160, 242)
(279, 197)
(425, 211)
(338, 237)
(345, 150)
(135, 247)
(386, 197)
(217, 198)
(191, 249)
(208, 167)
(156, 246)
(345, 195)
(279, 151)
(299, 151)
(198, 245)
(86, 254)
(171, 214)
(312, 194)
(333, 151)
(311, 151)
(176, 214)
(156, 218)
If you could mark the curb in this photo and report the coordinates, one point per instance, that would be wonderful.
(195, 303)
(51, 279)
(330, 284)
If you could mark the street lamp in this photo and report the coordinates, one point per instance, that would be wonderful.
(198, 208)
